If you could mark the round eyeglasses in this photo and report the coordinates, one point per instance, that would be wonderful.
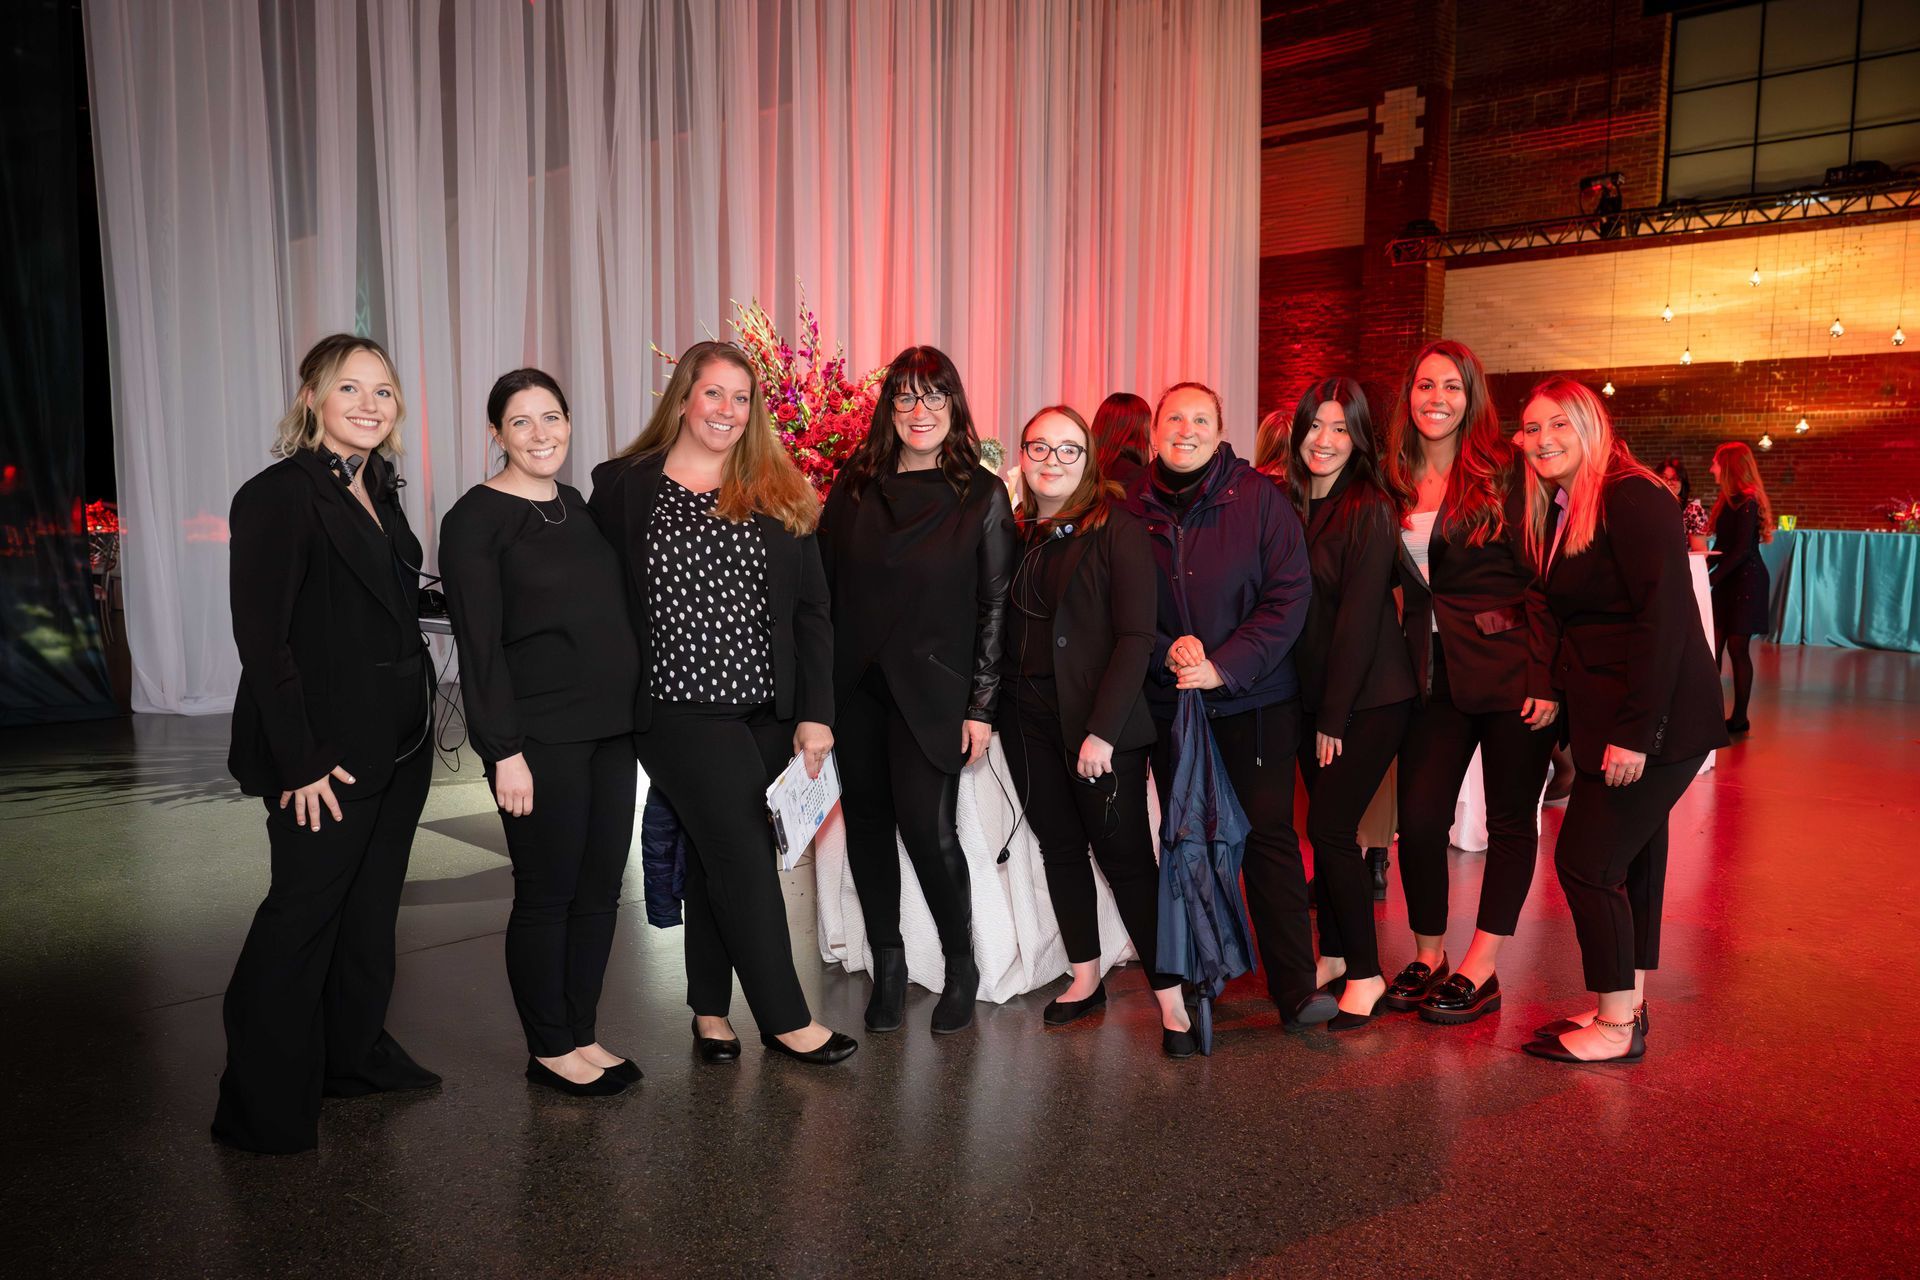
(1040, 451)
(934, 400)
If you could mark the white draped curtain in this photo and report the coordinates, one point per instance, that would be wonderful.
(1062, 194)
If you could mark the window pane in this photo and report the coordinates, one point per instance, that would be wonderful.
(1716, 173)
(1889, 90)
(1806, 33)
(1807, 102)
(1798, 164)
(1886, 25)
(1705, 118)
(1896, 144)
(1716, 46)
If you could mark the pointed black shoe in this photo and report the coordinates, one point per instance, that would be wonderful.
(887, 1006)
(1414, 984)
(1560, 1026)
(1344, 1021)
(838, 1048)
(955, 1010)
(1458, 1001)
(1555, 1051)
(1178, 1044)
(712, 1049)
(626, 1069)
(1310, 1012)
(1059, 1013)
(604, 1085)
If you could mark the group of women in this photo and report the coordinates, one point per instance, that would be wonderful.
(1451, 587)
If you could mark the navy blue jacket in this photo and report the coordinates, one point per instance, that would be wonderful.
(1233, 572)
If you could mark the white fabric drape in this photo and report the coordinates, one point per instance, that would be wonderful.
(1062, 195)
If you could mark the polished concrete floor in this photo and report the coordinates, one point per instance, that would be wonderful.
(1771, 1130)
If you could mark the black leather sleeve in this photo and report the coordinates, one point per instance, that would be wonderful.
(990, 627)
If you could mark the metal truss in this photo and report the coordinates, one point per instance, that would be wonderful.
(1674, 219)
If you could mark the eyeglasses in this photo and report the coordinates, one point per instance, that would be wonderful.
(934, 400)
(1040, 451)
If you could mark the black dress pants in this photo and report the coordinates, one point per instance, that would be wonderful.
(1337, 798)
(306, 1009)
(887, 782)
(714, 761)
(1258, 748)
(1612, 859)
(1433, 763)
(1068, 814)
(568, 857)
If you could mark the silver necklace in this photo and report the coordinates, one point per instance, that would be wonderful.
(543, 515)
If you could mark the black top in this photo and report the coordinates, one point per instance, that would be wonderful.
(545, 653)
(1032, 597)
(707, 603)
(1741, 586)
(324, 617)
(625, 492)
(919, 576)
(1352, 656)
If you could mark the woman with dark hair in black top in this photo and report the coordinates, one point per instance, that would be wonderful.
(547, 672)
(1120, 437)
(918, 540)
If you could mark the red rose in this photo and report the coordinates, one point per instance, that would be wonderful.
(786, 412)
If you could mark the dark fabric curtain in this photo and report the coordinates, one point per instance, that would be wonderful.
(51, 662)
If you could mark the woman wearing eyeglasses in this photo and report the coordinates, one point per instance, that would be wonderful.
(918, 541)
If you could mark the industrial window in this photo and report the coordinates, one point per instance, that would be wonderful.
(1768, 97)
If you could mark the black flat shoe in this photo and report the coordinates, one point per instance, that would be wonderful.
(1413, 984)
(1560, 1026)
(1344, 1021)
(1457, 1001)
(1059, 1013)
(1555, 1050)
(1335, 986)
(1310, 1012)
(604, 1085)
(954, 1012)
(1178, 1044)
(888, 1004)
(1738, 726)
(838, 1048)
(712, 1049)
(626, 1069)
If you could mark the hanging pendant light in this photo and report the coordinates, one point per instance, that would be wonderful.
(1608, 389)
(1766, 441)
(1801, 427)
(1686, 357)
(1836, 329)
(1754, 279)
(1666, 313)
(1899, 336)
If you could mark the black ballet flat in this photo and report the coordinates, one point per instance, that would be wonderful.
(1059, 1013)
(1555, 1050)
(604, 1085)
(1178, 1044)
(626, 1069)
(838, 1048)
(1310, 1012)
(1560, 1026)
(712, 1049)
(1344, 1021)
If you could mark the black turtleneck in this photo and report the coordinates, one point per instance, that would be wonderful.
(1179, 488)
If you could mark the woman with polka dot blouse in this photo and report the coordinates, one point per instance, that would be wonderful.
(714, 524)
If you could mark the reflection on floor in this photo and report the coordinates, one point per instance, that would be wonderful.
(1772, 1128)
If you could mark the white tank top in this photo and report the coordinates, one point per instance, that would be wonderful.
(1419, 542)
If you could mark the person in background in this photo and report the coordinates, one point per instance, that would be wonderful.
(1673, 474)
(1120, 437)
(1742, 519)
(1270, 442)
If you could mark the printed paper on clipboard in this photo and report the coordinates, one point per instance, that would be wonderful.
(798, 805)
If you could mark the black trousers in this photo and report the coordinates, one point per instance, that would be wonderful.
(568, 857)
(714, 761)
(306, 1008)
(1612, 859)
(887, 782)
(1433, 763)
(1337, 798)
(1069, 814)
(1258, 748)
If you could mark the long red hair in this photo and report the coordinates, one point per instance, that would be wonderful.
(1740, 478)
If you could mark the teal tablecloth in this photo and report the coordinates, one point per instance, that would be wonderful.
(1855, 590)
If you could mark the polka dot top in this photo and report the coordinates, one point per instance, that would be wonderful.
(712, 631)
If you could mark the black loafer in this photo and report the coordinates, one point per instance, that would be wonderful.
(712, 1049)
(838, 1048)
(1560, 1026)
(1457, 1001)
(604, 1085)
(1555, 1051)
(1310, 1012)
(1178, 1044)
(1414, 984)
(1059, 1013)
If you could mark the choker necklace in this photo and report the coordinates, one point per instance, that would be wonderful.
(543, 515)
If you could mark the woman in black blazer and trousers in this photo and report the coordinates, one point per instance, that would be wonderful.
(918, 541)
(1356, 683)
(714, 526)
(1074, 716)
(1642, 698)
(330, 729)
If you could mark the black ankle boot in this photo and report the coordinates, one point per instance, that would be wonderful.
(955, 1010)
(1377, 862)
(888, 1003)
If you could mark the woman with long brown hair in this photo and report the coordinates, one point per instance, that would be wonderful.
(1481, 641)
(714, 525)
(1741, 520)
(1120, 437)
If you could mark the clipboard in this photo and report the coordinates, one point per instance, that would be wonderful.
(798, 805)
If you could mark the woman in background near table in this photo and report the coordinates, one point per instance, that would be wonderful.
(1120, 437)
(1673, 474)
(714, 527)
(918, 539)
(1641, 705)
(548, 674)
(1073, 710)
(1481, 641)
(1356, 683)
(330, 729)
(1742, 591)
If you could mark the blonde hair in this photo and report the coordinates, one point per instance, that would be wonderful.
(758, 478)
(1606, 457)
(1740, 477)
(299, 427)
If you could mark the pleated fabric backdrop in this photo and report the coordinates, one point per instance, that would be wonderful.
(1063, 195)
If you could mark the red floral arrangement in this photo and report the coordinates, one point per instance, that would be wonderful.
(1903, 514)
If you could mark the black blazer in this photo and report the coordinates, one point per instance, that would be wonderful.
(919, 576)
(332, 668)
(1103, 630)
(1495, 628)
(1352, 655)
(1633, 659)
(624, 491)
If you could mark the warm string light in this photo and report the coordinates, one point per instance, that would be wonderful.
(1608, 389)
(1801, 427)
(1900, 334)
(1666, 312)
(1686, 355)
(1766, 441)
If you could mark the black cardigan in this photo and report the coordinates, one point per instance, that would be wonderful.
(1633, 659)
(332, 667)
(1352, 656)
(624, 492)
